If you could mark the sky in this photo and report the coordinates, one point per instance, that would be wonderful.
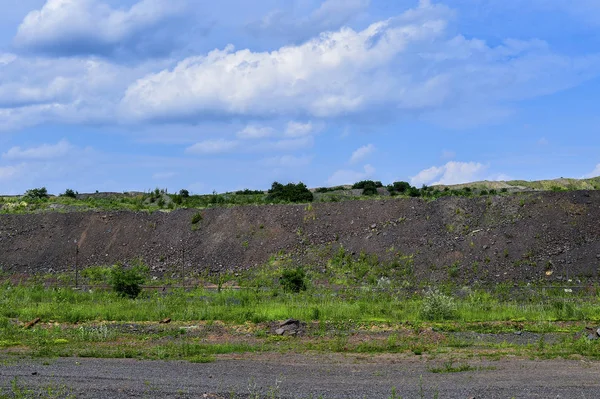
(132, 95)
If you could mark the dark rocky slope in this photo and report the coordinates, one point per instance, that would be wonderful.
(496, 238)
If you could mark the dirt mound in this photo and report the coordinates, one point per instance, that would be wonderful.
(527, 237)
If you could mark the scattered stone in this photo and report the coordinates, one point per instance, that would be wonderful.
(290, 327)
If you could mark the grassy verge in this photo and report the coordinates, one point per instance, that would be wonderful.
(206, 324)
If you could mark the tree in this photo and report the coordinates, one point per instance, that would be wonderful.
(37, 193)
(70, 193)
(289, 193)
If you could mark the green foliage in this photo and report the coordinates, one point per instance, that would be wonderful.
(127, 282)
(197, 218)
(37, 193)
(438, 306)
(293, 280)
(70, 193)
(398, 187)
(248, 192)
(184, 193)
(289, 193)
(367, 183)
(414, 192)
(97, 274)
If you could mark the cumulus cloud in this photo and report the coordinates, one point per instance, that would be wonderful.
(45, 151)
(298, 129)
(6, 59)
(217, 146)
(36, 90)
(409, 64)
(347, 176)
(76, 27)
(450, 173)
(362, 153)
(330, 15)
(594, 173)
(255, 132)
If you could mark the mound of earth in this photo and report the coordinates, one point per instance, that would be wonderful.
(527, 237)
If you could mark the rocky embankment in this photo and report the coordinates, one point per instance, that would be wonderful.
(526, 237)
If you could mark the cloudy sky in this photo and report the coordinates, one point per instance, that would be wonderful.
(116, 95)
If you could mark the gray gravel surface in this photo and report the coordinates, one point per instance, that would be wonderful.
(300, 376)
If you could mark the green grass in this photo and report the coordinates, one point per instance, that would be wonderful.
(157, 200)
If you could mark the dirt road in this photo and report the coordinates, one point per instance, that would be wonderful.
(301, 376)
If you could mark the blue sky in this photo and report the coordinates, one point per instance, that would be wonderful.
(131, 95)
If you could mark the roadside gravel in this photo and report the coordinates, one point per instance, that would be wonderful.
(306, 376)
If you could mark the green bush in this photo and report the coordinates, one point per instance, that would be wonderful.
(37, 193)
(438, 306)
(70, 193)
(293, 280)
(398, 187)
(127, 282)
(289, 193)
(197, 218)
(367, 183)
(249, 192)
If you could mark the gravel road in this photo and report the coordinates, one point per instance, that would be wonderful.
(302, 376)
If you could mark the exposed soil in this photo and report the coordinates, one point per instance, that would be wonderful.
(516, 238)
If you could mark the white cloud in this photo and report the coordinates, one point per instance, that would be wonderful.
(594, 173)
(212, 147)
(91, 26)
(362, 153)
(331, 14)
(298, 129)
(255, 132)
(405, 64)
(37, 90)
(450, 173)
(43, 152)
(345, 176)
(6, 59)
(288, 161)
(543, 142)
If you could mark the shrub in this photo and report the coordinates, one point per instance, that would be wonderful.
(197, 218)
(293, 280)
(437, 306)
(290, 192)
(184, 193)
(366, 183)
(248, 192)
(37, 193)
(414, 192)
(127, 282)
(70, 193)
